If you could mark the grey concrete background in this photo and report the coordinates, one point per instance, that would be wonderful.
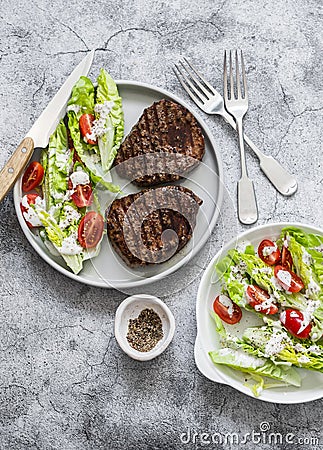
(64, 382)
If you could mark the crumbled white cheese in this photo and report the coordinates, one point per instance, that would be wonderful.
(94, 158)
(276, 343)
(266, 270)
(312, 288)
(61, 159)
(104, 109)
(31, 215)
(303, 359)
(57, 195)
(315, 349)
(269, 250)
(79, 177)
(90, 137)
(71, 215)
(99, 128)
(70, 245)
(299, 348)
(306, 257)
(75, 108)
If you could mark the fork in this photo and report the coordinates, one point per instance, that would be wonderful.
(209, 100)
(237, 106)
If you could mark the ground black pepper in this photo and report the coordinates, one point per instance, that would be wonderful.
(145, 331)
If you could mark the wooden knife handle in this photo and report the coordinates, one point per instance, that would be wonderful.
(13, 168)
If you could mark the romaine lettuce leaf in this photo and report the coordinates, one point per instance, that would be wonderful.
(56, 236)
(82, 97)
(109, 143)
(58, 166)
(85, 152)
(265, 342)
(239, 360)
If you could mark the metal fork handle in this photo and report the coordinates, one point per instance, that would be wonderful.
(283, 181)
(247, 204)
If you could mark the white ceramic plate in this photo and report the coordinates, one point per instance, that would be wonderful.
(207, 338)
(108, 270)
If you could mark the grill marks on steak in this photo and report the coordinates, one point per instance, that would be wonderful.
(165, 144)
(137, 222)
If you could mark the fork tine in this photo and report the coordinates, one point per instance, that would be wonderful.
(198, 74)
(186, 87)
(191, 85)
(244, 78)
(225, 77)
(238, 76)
(231, 78)
(196, 81)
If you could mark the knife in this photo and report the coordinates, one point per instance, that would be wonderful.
(38, 135)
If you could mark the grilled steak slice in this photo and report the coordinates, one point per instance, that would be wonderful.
(167, 142)
(149, 227)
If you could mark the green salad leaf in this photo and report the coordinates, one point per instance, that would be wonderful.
(109, 143)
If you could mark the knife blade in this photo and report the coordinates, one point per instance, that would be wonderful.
(38, 135)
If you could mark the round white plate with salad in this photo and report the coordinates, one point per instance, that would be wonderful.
(260, 314)
(55, 214)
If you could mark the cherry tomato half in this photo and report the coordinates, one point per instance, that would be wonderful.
(287, 260)
(293, 321)
(258, 299)
(227, 310)
(32, 176)
(268, 252)
(31, 199)
(82, 194)
(86, 124)
(90, 229)
(288, 279)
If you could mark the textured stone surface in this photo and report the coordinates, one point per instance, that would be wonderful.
(64, 382)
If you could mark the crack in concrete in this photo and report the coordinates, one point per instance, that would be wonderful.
(75, 33)
(126, 30)
(38, 90)
(56, 20)
(54, 407)
(58, 327)
(295, 116)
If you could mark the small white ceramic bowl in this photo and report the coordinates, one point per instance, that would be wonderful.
(130, 308)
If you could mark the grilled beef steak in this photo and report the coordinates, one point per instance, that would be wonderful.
(167, 142)
(149, 227)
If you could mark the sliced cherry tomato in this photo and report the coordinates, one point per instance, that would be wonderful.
(258, 299)
(268, 252)
(82, 194)
(287, 260)
(31, 199)
(90, 229)
(86, 124)
(288, 279)
(293, 321)
(227, 310)
(32, 176)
